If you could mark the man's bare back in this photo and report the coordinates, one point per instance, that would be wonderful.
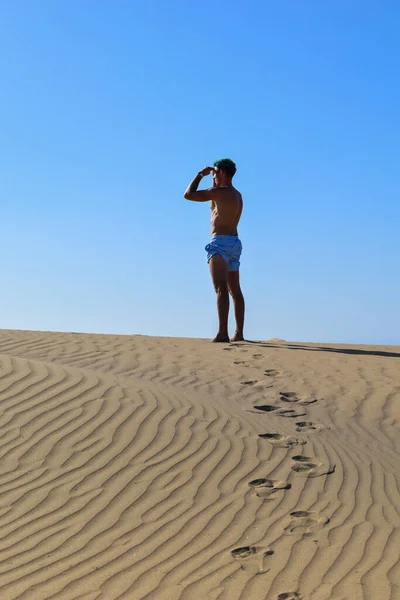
(226, 210)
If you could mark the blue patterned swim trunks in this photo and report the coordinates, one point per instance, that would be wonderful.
(229, 247)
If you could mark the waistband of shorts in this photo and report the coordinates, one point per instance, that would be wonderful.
(225, 237)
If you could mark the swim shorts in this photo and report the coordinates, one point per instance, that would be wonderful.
(229, 247)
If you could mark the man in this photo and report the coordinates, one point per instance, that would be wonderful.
(224, 250)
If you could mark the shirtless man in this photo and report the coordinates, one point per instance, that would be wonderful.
(224, 250)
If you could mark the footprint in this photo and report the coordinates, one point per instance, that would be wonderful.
(307, 426)
(252, 558)
(282, 441)
(310, 467)
(234, 347)
(257, 384)
(305, 523)
(266, 487)
(304, 463)
(293, 397)
(271, 373)
(279, 410)
(257, 356)
(289, 596)
(241, 362)
(289, 396)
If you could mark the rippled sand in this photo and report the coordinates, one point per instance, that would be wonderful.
(135, 467)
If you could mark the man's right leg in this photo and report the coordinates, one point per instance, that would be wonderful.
(238, 303)
(219, 274)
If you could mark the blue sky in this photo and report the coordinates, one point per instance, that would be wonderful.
(108, 109)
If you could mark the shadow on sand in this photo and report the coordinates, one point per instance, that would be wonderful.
(289, 346)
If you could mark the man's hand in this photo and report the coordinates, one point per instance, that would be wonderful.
(206, 171)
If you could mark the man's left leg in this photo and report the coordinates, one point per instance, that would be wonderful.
(238, 303)
(219, 274)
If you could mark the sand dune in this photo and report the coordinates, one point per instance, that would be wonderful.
(149, 468)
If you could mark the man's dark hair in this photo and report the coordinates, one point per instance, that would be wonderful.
(227, 165)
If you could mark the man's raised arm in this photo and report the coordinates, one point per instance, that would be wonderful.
(191, 192)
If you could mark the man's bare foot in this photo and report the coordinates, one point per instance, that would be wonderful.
(221, 338)
(237, 337)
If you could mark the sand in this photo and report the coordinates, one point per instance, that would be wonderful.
(136, 467)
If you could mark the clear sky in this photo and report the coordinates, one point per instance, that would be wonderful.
(109, 108)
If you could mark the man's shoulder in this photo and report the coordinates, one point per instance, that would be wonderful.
(227, 192)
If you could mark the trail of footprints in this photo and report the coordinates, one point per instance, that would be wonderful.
(255, 559)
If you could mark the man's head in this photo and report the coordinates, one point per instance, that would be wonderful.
(224, 170)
